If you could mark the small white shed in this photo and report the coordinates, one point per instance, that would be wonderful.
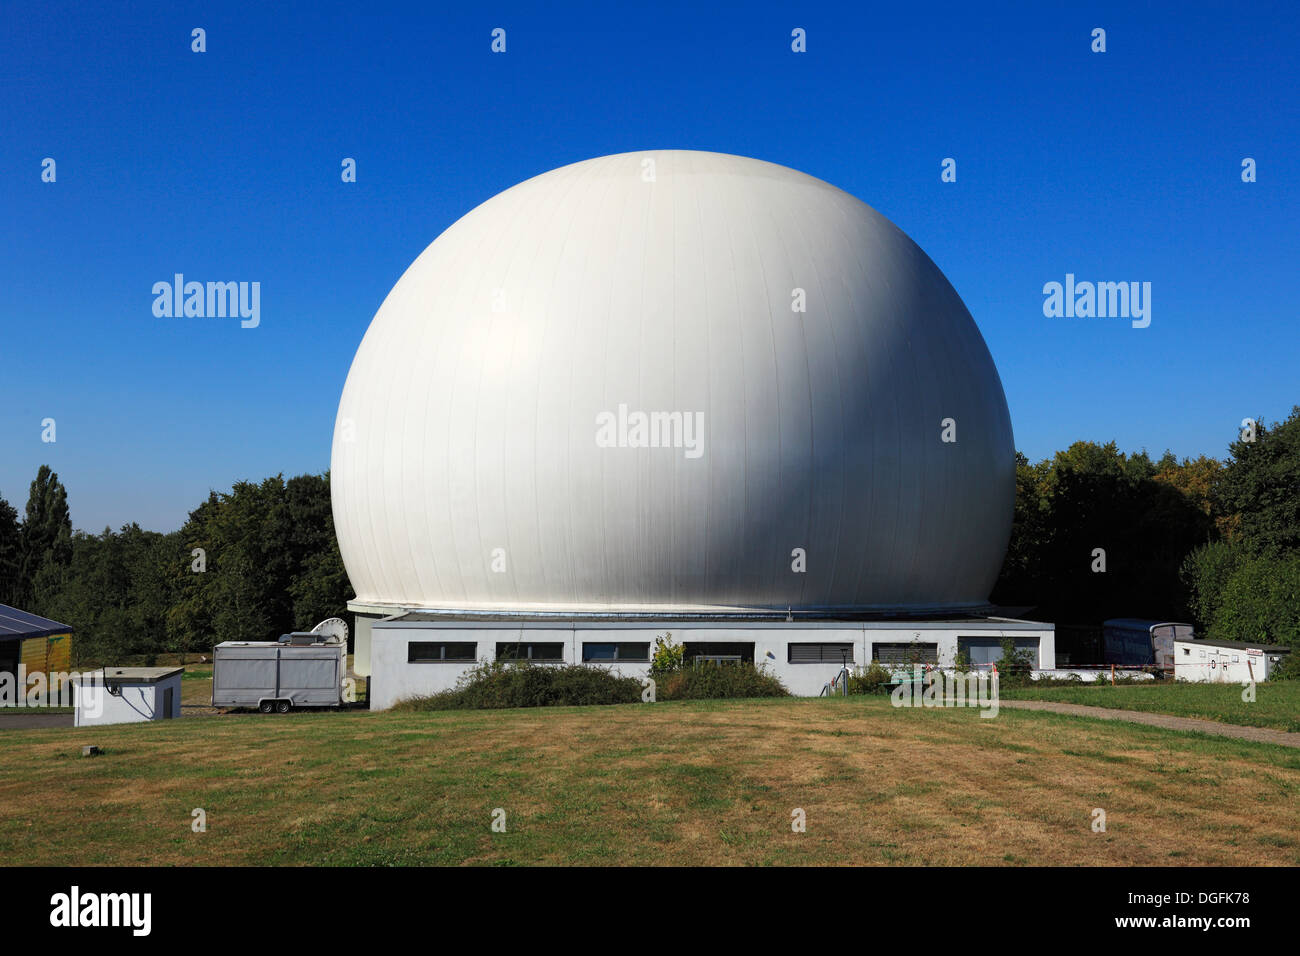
(127, 695)
(1226, 662)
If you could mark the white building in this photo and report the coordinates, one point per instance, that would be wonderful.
(126, 695)
(1227, 662)
(414, 653)
(671, 391)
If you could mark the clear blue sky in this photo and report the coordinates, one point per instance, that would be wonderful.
(225, 165)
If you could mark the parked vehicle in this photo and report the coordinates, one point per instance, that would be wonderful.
(1136, 643)
(302, 669)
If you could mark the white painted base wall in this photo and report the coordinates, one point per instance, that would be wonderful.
(393, 677)
(1091, 675)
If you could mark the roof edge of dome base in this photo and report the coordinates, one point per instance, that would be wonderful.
(670, 613)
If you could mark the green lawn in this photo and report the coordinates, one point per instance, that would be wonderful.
(688, 783)
(1276, 704)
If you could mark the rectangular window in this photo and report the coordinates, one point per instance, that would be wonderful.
(615, 652)
(819, 653)
(435, 652)
(720, 652)
(984, 651)
(530, 651)
(900, 654)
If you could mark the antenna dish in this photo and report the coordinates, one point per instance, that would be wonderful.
(334, 627)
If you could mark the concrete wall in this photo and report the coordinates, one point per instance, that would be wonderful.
(393, 678)
(1091, 675)
(138, 703)
(361, 644)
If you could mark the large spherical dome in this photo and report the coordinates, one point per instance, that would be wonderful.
(673, 381)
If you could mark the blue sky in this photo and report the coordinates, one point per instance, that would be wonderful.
(225, 165)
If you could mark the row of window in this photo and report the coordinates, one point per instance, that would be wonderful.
(428, 652)
(1236, 658)
(980, 650)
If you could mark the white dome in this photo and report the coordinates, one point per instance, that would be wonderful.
(480, 408)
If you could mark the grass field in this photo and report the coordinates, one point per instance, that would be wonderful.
(669, 783)
(1276, 704)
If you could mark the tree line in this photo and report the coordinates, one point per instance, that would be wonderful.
(1097, 534)
(1100, 534)
(249, 564)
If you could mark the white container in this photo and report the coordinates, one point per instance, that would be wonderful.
(127, 695)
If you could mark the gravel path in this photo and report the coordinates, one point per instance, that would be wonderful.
(1259, 734)
(34, 721)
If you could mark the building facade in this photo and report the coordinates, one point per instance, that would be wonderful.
(414, 654)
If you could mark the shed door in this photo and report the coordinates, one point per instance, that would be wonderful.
(168, 697)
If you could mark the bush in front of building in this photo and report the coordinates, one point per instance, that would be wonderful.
(874, 679)
(497, 685)
(711, 680)
(1016, 666)
(668, 656)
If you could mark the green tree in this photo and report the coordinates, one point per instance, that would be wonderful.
(1259, 489)
(11, 555)
(272, 564)
(1206, 572)
(1022, 580)
(189, 619)
(1261, 602)
(1092, 496)
(46, 531)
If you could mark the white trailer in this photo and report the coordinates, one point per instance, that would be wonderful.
(299, 670)
(1226, 662)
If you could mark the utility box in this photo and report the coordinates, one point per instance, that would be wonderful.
(126, 695)
(299, 670)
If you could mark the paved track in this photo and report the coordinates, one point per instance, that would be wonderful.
(34, 721)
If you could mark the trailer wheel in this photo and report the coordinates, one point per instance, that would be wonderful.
(265, 706)
(283, 706)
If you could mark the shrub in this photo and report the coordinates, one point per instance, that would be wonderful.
(875, 679)
(1015, 666)
(497, 684)
(1289, 669)
(709, 680)
(668, 657)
